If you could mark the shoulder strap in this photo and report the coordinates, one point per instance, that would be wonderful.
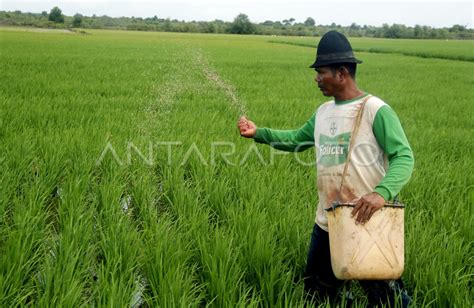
(355, 130)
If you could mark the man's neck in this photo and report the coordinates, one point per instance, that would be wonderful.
(348, 93)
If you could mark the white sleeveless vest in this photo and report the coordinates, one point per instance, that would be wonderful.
(332, 131)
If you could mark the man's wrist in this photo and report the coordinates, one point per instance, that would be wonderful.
(383, 192)
(259, 135)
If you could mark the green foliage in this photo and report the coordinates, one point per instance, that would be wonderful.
(241, 25)
(309, 22)
(77, 20)
(56, 15)
(79, 231)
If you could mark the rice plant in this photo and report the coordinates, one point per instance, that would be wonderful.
(125, 183)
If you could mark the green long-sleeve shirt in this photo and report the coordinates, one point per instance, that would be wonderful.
(387, 130)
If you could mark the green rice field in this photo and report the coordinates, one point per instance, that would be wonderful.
(440, 49)
(124, 181)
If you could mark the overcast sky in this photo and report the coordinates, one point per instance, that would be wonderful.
(370, 12)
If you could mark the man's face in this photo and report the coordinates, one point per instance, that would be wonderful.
(327, 80)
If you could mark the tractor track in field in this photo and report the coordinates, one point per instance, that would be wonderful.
(159, 104)
(186, 77)
(163, 96)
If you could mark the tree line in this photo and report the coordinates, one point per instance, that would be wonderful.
(240, 25)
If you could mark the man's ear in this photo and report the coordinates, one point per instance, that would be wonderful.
(340, 74)
(343, 73)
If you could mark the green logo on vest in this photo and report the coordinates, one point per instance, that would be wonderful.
(333, 150)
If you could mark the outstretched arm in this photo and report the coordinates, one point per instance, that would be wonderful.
(286, 140)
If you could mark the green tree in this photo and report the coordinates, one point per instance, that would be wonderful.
(457, 28)
(77, 20)
(242, 25)
(56, 15)
(418, 32)
(309, 22)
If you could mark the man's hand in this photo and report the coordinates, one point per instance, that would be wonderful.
(247, 128)
(366, 206)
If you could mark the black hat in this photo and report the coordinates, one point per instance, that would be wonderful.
(334, 48)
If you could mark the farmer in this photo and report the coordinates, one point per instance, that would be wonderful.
(381, 161)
